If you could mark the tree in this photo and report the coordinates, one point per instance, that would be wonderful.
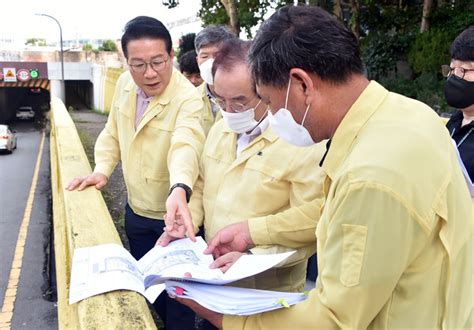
(355, 18)
(425, 18)
(231, 10)
(36, 42)
(186, 43)
(240, 15)
(87, 47)
(236, 14)
(108, 46)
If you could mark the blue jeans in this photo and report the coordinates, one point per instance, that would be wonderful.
(142, 235)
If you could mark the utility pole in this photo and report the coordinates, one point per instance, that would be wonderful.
(61, 55)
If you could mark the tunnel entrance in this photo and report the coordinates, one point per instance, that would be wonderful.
(12, 98)
(78, 94)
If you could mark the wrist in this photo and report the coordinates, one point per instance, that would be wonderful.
(181, 186)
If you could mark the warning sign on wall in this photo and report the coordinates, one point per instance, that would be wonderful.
(9, 74)
(23, 75)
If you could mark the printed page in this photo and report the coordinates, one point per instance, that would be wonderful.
(153, 291)
(233, 300)
(250, 264)
(184, 256)
(179, 257)
(103, 268)
(469, 183)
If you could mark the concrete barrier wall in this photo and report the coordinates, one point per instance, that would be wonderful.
(104, 80)
(81, 219)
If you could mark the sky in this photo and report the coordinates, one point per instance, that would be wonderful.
(87, 19)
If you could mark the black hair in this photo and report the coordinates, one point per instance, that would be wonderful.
(462, 48)
(304, 37)
(188, 63)
(145, 27)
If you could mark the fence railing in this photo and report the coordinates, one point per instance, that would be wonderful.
(81, 219)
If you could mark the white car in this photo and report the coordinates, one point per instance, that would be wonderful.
(7, 139)
(25, 113)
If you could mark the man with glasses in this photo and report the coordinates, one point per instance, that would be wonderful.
(153, 129)
(247, 172)
(207, 43)
(459, 92)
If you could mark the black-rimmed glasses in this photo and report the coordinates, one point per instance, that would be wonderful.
(141, 66)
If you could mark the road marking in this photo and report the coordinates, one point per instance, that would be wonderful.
(6, 314)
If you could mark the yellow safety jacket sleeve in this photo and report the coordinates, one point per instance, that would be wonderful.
(196, 206)
(187, 142)
(353, 287)
(293, 227)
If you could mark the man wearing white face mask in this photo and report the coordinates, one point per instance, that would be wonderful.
(287, 128)
(207, 43)
(395, 236)
(245, 172)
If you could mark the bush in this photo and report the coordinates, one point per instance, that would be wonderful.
(429, 51)
(381, 51)
(108, 46)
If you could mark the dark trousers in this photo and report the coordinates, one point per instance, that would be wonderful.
(312, 271)
(142, 235)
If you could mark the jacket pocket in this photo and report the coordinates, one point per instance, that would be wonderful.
(353, 250)
(155, 190)
(154, 175)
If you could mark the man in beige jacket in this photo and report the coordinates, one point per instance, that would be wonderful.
(153, 129)
(207, 43)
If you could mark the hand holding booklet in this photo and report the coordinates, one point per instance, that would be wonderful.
(110, 267)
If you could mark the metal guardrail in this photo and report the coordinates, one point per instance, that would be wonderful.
(81, 219)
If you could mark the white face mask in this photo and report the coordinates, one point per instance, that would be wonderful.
(241, 122)
(287, 128)
(206, 71)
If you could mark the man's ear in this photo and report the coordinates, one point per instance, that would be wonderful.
(172, 54)
(305, 83)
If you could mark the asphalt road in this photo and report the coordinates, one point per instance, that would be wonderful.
(32, 309)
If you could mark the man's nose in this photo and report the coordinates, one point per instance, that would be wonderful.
(149, 72)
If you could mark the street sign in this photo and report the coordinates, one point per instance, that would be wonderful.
(9, 74)
(34, 73)
(23, 75)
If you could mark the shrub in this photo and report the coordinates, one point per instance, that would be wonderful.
(429, 51)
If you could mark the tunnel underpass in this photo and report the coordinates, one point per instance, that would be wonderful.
(11, 98)
(78, 94)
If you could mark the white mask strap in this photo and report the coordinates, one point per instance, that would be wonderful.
(305, 113)
(287, 94)
(259, 101)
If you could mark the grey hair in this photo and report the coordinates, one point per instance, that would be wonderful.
(212, 34)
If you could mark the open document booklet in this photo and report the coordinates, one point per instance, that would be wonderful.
(109, 267)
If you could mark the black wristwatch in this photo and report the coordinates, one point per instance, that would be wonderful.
(185, 187)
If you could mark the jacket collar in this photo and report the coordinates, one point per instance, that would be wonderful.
(167, 95)
(352, 123)
(254, 147)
